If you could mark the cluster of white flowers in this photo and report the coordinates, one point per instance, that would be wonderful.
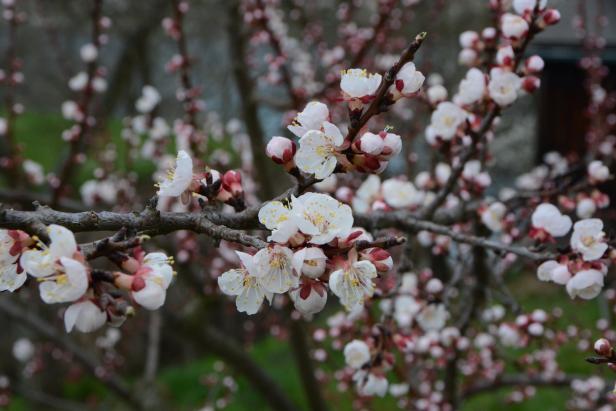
(296, 261)
(65, 277)
(322, 146)
(582, 272)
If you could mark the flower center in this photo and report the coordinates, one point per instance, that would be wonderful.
(588, 241)
(277, 261)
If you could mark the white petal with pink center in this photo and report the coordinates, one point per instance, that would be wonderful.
(157, 277)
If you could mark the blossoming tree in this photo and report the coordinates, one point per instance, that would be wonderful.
(401, 276)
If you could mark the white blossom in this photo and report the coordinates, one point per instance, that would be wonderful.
(432, 317)
(353, 283)
(23, 349)
(472, 87)
(547, 217)
(68, 285)
(317, 151)
(585, 208)
(401, 194)
(178, 180)
(156, 273)
(274, 268)
(309, 299)
(88, 52)
(358, 85)
(436, 93)
(586, 284)
(442, 172)
(43, 262)
(513, 26)
(492, 216)
(85, 316)
(366, 194)
(598, 171)
(509, 335)
(446, 119)
(277, 217)
(356, 354)
(311, 118)
(588, 239)
(149, 99)
(10, 278)
(369, 384)
(408, 81)
(321, 216)
(468, 39)
(504, 86)
(243, 284)
(405, 310)
(78, 82)
(553, 271)
(310, 261)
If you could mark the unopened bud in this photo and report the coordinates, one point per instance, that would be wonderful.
(603, 347)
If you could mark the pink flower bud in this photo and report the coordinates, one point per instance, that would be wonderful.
(138, 283)
(280, 149)
(603, 347)
(232, 182)
(504, 56)
(380, 258)
(550, 17)
(530, 84)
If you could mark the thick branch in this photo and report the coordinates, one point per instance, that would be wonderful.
(148, 222)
